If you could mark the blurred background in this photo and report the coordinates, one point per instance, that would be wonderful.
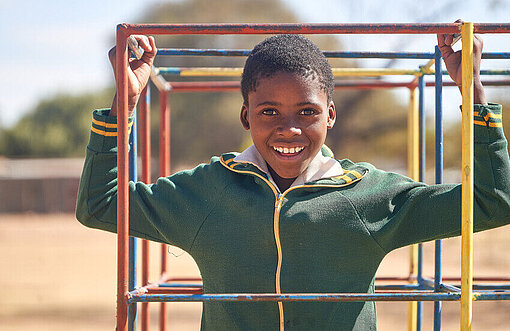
(58, 275)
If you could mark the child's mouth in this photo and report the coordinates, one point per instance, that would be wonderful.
(288, 151)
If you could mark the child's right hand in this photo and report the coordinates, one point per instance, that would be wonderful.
(138, 72)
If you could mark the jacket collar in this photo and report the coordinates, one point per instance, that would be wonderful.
(321, 167)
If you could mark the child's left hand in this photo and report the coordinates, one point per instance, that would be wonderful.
(453, 62)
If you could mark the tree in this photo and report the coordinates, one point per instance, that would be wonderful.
(57, 127)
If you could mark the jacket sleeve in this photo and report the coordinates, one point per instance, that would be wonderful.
(170, 211)
(398, 211)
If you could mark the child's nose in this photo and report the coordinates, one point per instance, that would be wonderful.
(289, 127)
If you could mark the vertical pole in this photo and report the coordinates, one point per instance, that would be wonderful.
(423, 153)
(164, 169)
(467, 177)
(132, 240)
(145, 150)
(439, 179)
(122, 180)
(413, 171)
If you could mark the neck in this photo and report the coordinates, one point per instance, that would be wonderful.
(282, 183)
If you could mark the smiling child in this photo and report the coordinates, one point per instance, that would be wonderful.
(283, 216)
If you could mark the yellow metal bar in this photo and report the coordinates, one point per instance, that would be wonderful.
(337, 72)
(413, 159)
(467, 177)
(373, 72)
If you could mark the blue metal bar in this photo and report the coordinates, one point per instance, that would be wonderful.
(329, 54)
(491, 287)
(421, 90)
(132, 240)
(438, 275)
(488, 72)
(303, 297)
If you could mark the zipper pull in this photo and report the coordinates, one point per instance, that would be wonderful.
(277, 201)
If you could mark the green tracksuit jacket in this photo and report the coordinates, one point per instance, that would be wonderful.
(324, 236)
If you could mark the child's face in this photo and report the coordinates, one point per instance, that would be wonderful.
(288, 117)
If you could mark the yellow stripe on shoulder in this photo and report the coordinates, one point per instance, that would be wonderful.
(480, 123)
(354, 172)
(495, 125)
(489, 115)
(106, 125)
(103, 133)
(106, 133)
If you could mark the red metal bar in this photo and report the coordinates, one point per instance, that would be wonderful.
(164, 170)
(311, 28)
(122, 179)
(145, 152)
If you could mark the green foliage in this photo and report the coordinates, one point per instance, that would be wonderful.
(57, 127)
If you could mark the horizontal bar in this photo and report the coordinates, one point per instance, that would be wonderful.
(491, 296)
(309, 28)
(235, 85)
(215, 86)
(237, 72)
(328, 54)
(491, 287)
(302, 297)
(484, 83)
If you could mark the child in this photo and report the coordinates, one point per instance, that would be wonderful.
(283, 216)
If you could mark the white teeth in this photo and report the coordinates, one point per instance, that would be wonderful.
(286, 150)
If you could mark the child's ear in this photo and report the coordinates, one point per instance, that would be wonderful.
(331, 115)
(244, 117)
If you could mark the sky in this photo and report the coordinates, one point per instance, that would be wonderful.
(55, 46)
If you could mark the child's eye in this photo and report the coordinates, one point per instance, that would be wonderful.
(307, 111)
(269, 111)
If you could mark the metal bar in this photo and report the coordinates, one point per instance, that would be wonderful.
(328, 54)
(337, 72)
(302, 297)
(132, 240)
(422, 152)
(145, 151)
(122, 180)
(439, 178)
(485, 83)
(237, 72)
(311, 28)
(164, 170)
(217, 86)
(467, 176)
(491, 296)
(413, 172)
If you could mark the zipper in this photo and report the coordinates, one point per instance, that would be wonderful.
(276, 230)
(276, 225)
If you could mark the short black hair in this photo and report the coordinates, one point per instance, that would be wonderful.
(286, 53)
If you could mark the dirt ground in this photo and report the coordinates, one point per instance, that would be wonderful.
(58, 275)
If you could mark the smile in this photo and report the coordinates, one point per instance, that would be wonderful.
(286, 150)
